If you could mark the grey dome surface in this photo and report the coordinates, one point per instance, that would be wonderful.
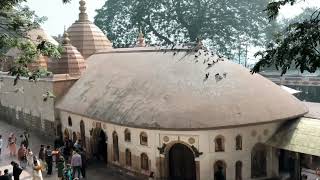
(148, 88)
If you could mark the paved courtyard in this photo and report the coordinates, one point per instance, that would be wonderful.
(95, 171)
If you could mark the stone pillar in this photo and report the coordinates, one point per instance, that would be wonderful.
(197, 169)
(161, 167)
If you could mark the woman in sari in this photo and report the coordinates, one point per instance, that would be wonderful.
(37, 170)
(12, 140)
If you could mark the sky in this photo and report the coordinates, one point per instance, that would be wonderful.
(60, 15)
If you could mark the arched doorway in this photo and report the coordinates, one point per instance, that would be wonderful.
(83, 134)
(115, 146)
(100, 145)
(181, 163)
(59, 131)
(220, 170)
(258, 161)
(238, 170)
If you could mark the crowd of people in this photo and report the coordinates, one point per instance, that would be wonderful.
(68, 157)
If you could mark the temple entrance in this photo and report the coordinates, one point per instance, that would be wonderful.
(100, 146)
(181, 163)
(259, 161)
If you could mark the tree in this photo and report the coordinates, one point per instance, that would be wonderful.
(297, 45)
(15, 23)
(222, 23)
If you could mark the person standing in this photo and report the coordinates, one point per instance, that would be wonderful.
(48, 155)
(37, 170)
(83, 162)
(76, 164)
(41, 154)
(26, 138)
(22, 156)
(60, 166)
(17, 170)
(6, 175)
(30, 157)
(12, 140)
(1, 143)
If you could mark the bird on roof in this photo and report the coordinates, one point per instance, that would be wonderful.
(48, 95)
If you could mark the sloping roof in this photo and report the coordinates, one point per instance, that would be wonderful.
(302, 135)
(314, 110)
(144, 87)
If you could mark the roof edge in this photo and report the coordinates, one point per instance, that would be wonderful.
(190, 129)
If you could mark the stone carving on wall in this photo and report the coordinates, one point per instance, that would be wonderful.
(191, 140)
(166, 139)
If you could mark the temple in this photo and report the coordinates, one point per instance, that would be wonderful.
(145, 109)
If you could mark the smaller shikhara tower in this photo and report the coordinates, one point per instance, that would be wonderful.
(86, 36)
(71, 61)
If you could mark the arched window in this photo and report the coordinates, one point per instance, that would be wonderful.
(144, 162)
(258, 161)
(238, 170)
(143, 139)
(219, 144)
(115, 146)
(219, 170)
(69, 121)
(127, 135)
(238, 142)
(83, 133)
(128, 157)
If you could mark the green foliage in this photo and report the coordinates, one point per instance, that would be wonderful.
(297, 46)
(223, 23)
(15, 23)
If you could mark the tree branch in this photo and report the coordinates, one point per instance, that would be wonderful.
(167, 40)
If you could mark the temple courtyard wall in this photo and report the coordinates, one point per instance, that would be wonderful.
(201, 142)
(24, 104)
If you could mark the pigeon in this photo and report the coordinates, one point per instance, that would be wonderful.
(206, 77)
(48, 95)
(225, 74)
(218, 77)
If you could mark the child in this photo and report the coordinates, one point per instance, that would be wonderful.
(68, 172)
(30, 157)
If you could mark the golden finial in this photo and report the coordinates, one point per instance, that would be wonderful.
(83, 16)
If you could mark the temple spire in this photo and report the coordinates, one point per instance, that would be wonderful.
(141, 42)
(83, 16)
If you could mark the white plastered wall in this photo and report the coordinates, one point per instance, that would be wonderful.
(204, 142)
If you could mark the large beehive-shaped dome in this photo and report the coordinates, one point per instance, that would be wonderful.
(86, 36)
(149, 88)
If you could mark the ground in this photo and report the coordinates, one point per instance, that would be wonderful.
(95, 171)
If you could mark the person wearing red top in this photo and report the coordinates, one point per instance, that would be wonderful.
(22, 156)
